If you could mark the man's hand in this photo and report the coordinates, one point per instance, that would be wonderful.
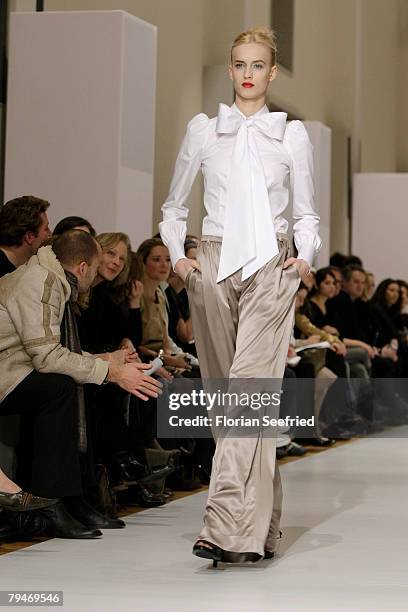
(183, 267)
(302, 267)
(130, 377)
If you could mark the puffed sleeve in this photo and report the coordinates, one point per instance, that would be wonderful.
(306, 219)
(173, 228)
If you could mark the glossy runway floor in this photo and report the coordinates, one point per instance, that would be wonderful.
(345, 548)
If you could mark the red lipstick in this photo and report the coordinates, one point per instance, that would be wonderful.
(247, 85)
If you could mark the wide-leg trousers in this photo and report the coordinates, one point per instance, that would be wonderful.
(242, 330)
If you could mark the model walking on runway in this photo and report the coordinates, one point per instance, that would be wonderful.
(242, 286)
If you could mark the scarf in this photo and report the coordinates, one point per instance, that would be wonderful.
(70, 339)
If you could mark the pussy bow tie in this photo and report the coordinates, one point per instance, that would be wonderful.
(249, 239)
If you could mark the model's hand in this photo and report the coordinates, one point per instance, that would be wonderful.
(291, 351)
(131, 378)
(313, 339)
(302, 267)
(183, 267)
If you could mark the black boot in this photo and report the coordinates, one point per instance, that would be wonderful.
(58, 523)
(88, 516)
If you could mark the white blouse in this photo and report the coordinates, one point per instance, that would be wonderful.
(286, 155)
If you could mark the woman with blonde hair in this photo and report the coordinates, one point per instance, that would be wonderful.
(242, 285)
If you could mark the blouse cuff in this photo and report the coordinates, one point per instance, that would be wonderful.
(176, 250)
(306, 251)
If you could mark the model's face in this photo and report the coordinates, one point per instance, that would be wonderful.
(327, 287)
(392, 294)
(158, 264)
(355, 286)
(404, 295)
(251, 70)
(112, 261)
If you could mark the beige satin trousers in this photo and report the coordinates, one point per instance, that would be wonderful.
(242, 330)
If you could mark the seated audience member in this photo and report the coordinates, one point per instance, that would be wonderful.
(402, 319)
(385, 309)
(369, 287)
(339, 279)
(316, 311)
(23, 229)
(155, 336)
(338, 260)
(102, 325)
(111, 323)
(180, 323)
(337, 420)
(352, 317)
(40, 377)
(69, 223)
(155, 258)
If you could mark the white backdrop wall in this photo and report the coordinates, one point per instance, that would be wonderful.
(81, 116)
(380, 222)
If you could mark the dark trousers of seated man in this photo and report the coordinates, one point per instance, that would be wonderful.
(51, 401)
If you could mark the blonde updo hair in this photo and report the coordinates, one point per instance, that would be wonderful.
(262, 35)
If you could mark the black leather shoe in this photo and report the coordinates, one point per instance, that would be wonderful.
(58, 523)
(88, 516)
(128, 469)
(140, 496)
(24, 502)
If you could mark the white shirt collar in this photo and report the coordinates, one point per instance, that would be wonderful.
(263, 111)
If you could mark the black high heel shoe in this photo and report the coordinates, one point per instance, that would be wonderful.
(207, 550)
(269, 554)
